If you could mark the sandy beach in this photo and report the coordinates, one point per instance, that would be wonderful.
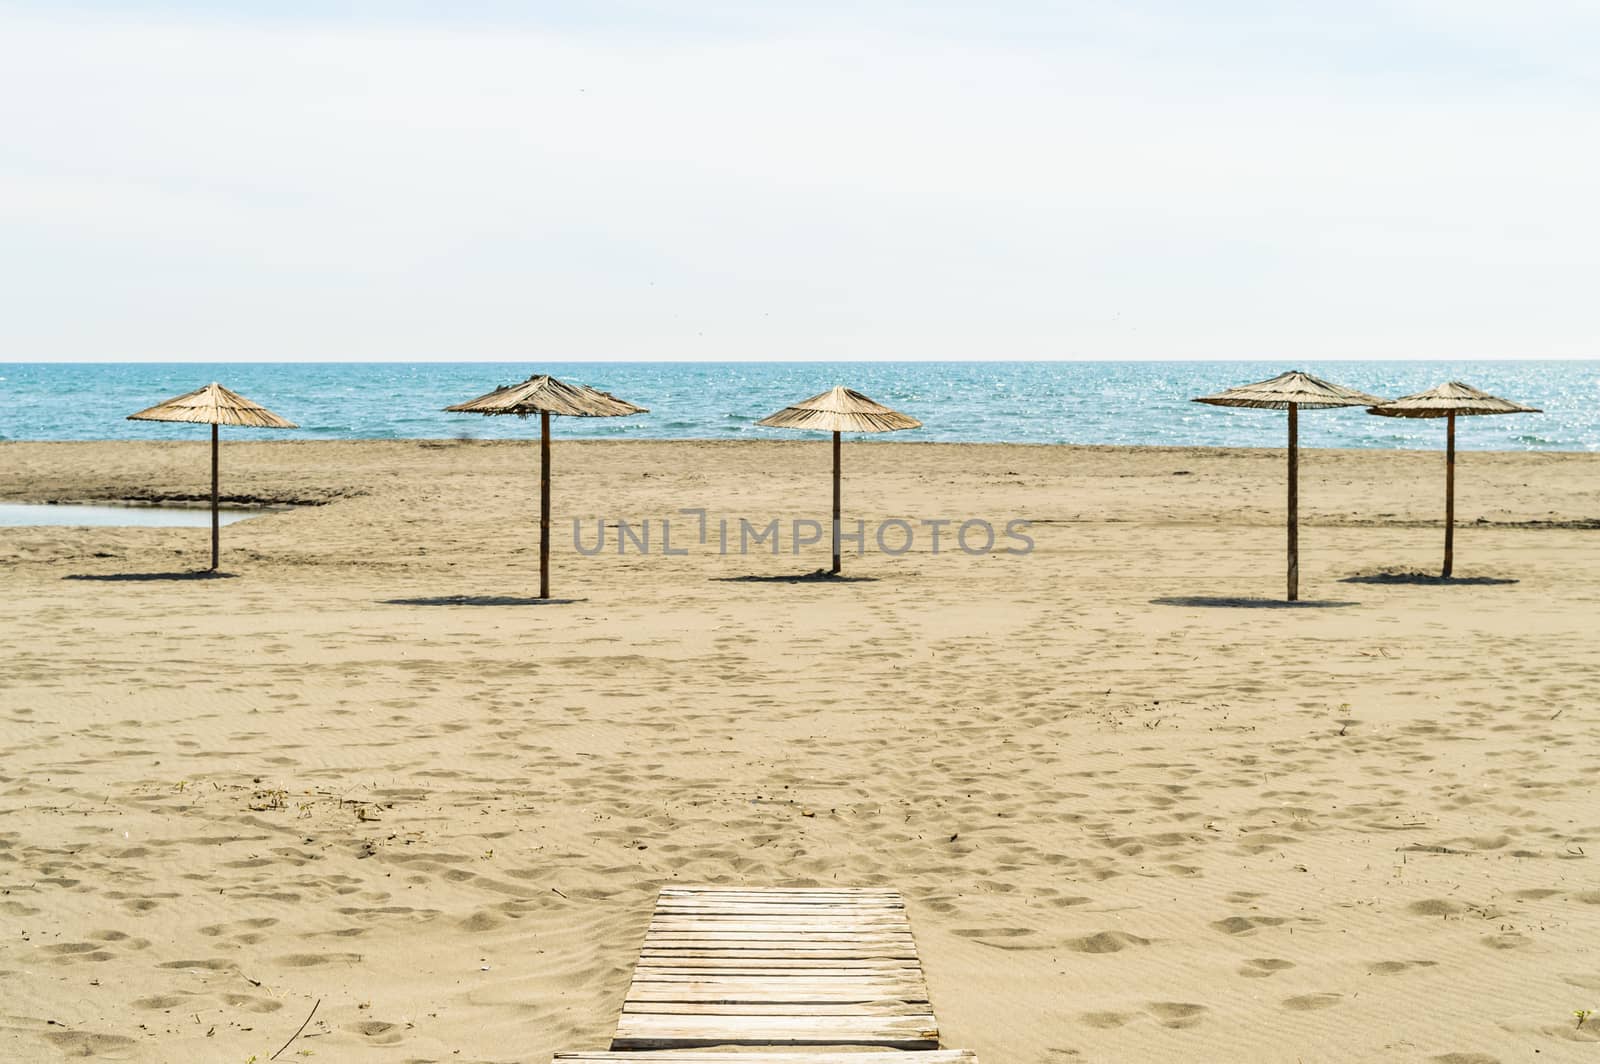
(1139, 811)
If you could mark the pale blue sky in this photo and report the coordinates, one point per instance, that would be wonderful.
(614, 180)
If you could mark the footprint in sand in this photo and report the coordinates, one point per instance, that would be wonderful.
(1068, 901)
(1177, 1014)
(1395, 967)
(982, 933)
(1106, 1020)
(121, 938)
(68, 952)
(251, 1004)
(342, 932)
(1509, 940)
(212, 964)
(87, 1043)
(1435, 907)
(160, 1001)
(1464, 1058)
(1105, 942)
(312, 960)
(1312, 1002)
(1243, 925)
(378, 1032)
(480, 921)
(1261, 967)
(213, 930)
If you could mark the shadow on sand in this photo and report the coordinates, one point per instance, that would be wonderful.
(1427, 579)
(819, 576)
(193, 574)
(1240, 603)
(480, 600)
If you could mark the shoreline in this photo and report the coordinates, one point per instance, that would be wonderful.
(276, 473)
(262, 437)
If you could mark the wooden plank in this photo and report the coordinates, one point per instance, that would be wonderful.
(793, 897)
(785, 976)
(732, 1000)
(777, 931)
(796, 900)
(787, 981)
(776, 967)
(791, 990)
(721, 958)
(791, 907)
(685, 1056)
(780, 940)
(757, 923)
(747, 947)
(746, 904)
(767, 916)
(782, 948)
(783, 980)
(823, 919)
(665, 1032)
(801, 892)
(786, 1008)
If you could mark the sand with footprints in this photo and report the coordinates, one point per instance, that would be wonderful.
(1139, 810)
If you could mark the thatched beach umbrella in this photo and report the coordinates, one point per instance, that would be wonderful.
(214, 405)
(1293, 391)
(839, 410)
(1447, 401)
(542, 394)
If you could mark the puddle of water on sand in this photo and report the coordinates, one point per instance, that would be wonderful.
(40, 514)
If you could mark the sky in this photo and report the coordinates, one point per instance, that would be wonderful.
(281, 179)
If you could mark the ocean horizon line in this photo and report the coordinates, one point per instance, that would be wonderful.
(805, 361)
(1113, 403)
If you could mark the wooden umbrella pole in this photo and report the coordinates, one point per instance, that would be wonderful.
(1449, 493)
(836, 566)
(1294, 502)
(216, 535)
(544, 504)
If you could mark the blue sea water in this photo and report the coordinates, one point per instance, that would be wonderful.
(1144, 403)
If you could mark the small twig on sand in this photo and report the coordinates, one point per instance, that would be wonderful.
(558, 891)
(292, 1037)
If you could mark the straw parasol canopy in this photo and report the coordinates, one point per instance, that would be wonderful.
(839, 410)
(1288, 391)
(1292, 391)
(544, 395)
(1450, 400)
(214, 405)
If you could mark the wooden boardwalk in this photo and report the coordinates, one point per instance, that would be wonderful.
(794, 1056)
(778, 967)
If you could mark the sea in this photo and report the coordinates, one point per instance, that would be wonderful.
(1118, 403)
